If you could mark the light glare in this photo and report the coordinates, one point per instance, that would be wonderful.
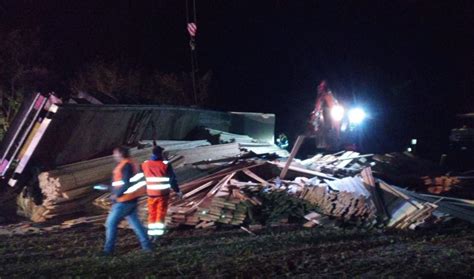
(337, 113)
(356, 116)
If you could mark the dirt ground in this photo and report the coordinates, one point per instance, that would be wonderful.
(276, 252)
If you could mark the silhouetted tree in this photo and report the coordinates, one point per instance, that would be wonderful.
(130, 85)
(22, 71)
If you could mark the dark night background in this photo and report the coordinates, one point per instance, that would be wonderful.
(409, 63)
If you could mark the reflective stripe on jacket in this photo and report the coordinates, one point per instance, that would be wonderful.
(156, 176)
(134, 187)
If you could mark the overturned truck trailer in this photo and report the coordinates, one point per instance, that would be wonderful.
(47, 134)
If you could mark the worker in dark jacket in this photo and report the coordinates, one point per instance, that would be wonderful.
(127, 187)
(160, 179)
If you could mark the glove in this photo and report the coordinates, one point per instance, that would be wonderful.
(101, 187)
(180, 195)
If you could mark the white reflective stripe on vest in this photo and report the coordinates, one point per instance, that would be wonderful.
(156, 226)
(135, 187)
(134, 178)
(117, 183)
(156, 232)
(157, 179)
(158, 187)
(137, 177)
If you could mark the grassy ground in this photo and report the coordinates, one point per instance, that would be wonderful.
(277, 252)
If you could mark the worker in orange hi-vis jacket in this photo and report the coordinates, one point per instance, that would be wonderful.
(160, 179)
(126, 189)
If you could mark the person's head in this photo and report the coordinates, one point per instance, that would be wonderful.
(121, 153)
(158, 152)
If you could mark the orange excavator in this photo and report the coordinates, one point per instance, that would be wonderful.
(330, 124)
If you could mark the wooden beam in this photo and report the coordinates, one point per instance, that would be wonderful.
(305, 171)
(293, 153)
(251, 174)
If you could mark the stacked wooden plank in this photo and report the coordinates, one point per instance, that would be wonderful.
(224, 207)
(402, 211)
(211, 200)
(342, 204)
(405, 212)
(458, 208)
(332, 163)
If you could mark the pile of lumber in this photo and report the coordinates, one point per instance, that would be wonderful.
(224, 184)
(462, 209)
(224, 207)
(214, 198)
(344, 162)
(404, 211)
(396, 168)
(227, 196)
(365, 197)
(340, 204)
(68, 189)
(397, 209)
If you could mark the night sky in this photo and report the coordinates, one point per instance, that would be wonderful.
(409, 63)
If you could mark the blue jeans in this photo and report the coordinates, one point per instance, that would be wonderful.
(117, 213)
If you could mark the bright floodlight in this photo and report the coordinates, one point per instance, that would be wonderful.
(356, 116)
(337, 113)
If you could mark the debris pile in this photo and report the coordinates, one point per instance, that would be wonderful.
(339, 164)
(68, 189)
(229, 185)
(246, 184)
